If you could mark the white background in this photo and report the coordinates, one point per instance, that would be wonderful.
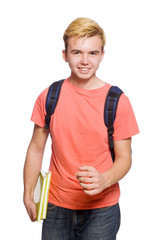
(30, 59)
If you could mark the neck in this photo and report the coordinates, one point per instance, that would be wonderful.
(89, 84)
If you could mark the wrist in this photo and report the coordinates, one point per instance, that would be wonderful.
(109, 178)
(28, 196)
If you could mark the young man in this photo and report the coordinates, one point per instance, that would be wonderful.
(84, 190)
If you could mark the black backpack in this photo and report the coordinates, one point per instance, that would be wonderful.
(110, 108)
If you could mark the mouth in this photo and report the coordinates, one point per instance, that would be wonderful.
(84, 69)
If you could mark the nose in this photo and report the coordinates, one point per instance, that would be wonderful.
(84, 59)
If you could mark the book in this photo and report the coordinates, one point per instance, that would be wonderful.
(41, 194)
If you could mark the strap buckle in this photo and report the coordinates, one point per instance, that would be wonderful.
(110, 130)
(47, 121)
(110, 136)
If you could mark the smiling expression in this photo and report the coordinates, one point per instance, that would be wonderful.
(84, 56)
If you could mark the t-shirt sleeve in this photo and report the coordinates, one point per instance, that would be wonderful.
(125, 125)
(39, 112)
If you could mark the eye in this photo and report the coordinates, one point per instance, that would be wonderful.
(76, 52)
(94, 53)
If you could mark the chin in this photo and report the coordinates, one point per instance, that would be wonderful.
(83, 77)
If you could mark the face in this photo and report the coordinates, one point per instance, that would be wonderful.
(84, 56)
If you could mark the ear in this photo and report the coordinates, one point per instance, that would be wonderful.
(64, 54)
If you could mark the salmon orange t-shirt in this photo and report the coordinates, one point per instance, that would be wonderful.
(79, 138)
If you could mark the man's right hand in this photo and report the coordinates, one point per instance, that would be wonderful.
(31, 209)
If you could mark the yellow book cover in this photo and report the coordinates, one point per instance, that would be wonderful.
(41, 194)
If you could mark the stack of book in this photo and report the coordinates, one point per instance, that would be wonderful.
(41, 194)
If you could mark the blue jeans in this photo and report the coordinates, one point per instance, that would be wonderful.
(94, 224)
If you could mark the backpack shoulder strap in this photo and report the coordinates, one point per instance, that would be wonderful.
(51, 100)
(110, 108)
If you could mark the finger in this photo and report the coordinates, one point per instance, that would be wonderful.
(87, 186)
(87, 180)
(92, 192)
(87, 168)
(33, 215)
(32, 212)
(85, 174)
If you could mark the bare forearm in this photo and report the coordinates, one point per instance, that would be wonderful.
(122, 161)
(119, 169)
(32, 168)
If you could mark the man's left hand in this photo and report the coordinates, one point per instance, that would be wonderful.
(92, 181)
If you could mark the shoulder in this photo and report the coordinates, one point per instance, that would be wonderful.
(42, 97)
(125, 124)
(43, 94)
(124, 110)
(124, 100)
(124, 106)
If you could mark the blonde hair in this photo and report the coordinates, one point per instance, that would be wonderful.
(83, 27)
